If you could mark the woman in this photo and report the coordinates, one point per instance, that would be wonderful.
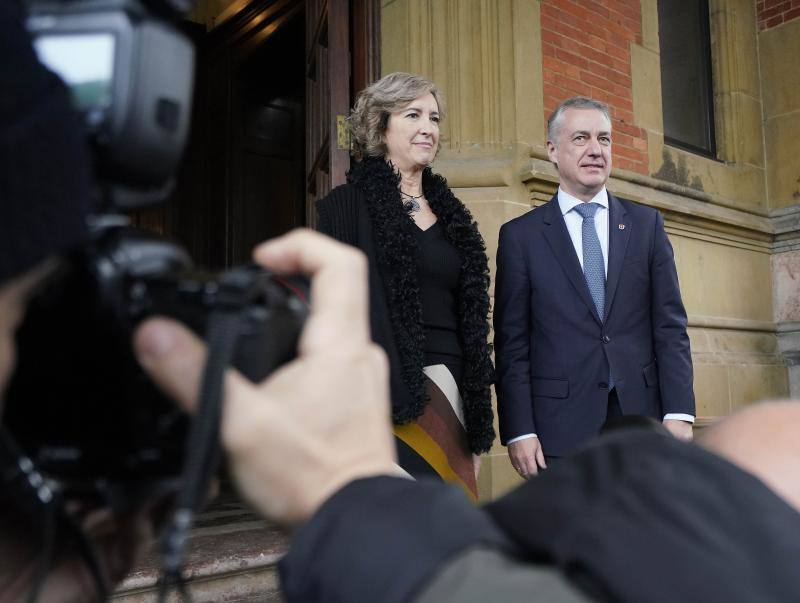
(428, 278)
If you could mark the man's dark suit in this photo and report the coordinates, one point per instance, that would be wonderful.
(554, 352)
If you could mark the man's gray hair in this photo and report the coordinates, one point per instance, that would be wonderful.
(576, 102)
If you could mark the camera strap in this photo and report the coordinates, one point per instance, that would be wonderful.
(202, 447)
(32, 496)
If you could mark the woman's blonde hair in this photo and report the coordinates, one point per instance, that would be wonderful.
(375, 104)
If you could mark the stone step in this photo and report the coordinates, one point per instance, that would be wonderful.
(231, 558)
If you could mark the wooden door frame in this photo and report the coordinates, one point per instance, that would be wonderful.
(366, 43)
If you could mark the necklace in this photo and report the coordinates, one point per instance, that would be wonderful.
(412, 203)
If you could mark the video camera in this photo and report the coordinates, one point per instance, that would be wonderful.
(79, 405)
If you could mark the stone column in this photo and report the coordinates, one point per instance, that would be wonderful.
(781, 94)
(786, 288)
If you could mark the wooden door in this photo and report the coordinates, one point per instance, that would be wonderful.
(327, 98)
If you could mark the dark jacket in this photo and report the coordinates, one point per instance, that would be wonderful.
(638, 517)
(368, 213)
(554, 354)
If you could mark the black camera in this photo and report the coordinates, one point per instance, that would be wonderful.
(78, 404)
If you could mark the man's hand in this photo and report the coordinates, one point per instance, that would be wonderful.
(318, 422)
(527, 456)
(682, 430)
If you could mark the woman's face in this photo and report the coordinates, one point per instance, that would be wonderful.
(412, 134)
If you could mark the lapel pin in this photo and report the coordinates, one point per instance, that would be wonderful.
(622, 227)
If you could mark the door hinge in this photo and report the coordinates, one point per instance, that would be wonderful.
(342, 133)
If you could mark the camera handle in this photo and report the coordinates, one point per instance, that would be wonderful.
(202, 448)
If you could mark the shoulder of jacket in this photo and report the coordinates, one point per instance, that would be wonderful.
(635, 206)
(344, 195)
(526, 220)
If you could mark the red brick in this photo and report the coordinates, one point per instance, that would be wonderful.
(621, 30)
(634, 14)
(791, 14)
(622, 66)
(620, 53)
(551, 62)
(565, 17)
(774, 21)
(575, 88)
(624, 117)
(551, 37)
(615, 40)
(551, 102)
(623, 151)
(627, 128)
(631, 165)
(623, 79)
(551, 23)
(553, 90)
(571, 58)
(624, 104)
(599, 94)
(598, 42)
(623, 139)
(599, 69)
(768, 13)
(593, 79)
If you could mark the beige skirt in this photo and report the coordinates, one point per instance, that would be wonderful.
(435, 444)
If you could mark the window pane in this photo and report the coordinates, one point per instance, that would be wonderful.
(686, 88)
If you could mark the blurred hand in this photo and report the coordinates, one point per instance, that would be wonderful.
(527, 456)
(682, 430)
(318, 422)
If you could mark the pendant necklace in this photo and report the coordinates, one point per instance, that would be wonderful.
(412, 203)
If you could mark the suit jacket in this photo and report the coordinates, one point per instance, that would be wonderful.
(554, 352)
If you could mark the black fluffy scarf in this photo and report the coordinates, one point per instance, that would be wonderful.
(398, 256)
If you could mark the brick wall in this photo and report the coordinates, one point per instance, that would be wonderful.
(586, 51)
(774, 12)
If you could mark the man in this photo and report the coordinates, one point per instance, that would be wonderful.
(589, 322)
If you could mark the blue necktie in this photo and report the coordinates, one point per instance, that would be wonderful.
(594, 270)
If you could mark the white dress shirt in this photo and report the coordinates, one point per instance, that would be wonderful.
(574, 222)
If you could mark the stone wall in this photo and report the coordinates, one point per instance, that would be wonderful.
(780, 84)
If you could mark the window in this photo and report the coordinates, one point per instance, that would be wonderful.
(686, 88)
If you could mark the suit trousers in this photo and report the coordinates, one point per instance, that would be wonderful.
(613, 412)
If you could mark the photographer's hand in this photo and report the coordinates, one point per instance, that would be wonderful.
(318, 422)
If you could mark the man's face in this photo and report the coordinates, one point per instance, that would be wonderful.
(582, 152)
(14, 295)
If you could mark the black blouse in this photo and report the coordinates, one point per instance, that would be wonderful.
(439, 272)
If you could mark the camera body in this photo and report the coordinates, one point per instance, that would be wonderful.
(78, 404)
